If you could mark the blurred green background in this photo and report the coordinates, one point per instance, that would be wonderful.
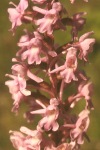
(8, 48)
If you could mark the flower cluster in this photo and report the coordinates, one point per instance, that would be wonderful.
(44, 72)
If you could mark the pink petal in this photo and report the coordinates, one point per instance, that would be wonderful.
(85, 36)
(34, 77)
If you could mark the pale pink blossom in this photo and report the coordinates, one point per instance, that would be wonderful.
(29, 39)
(26, 139)
(32, 54)
(72, 1)
(85, 91)
(38, 1)
(16, 14)
(24, 72)
(85, 45)
(17, 87)
(32, 48)
(82, 123)
(78, 20)
(32, 40)
(67, 71)
(50, 115)
(50, 18)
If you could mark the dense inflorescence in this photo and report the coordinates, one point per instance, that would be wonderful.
(45, 71)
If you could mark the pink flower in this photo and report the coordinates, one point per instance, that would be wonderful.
(24, 71)
(32, 48)
(85, 45)
(32, 40)
(84, 91)
(32, 54)
(17, 87)
(50, 115)
(78, 20)
(72, 1)
(38, 1)
(27, 140)
(82, 124)
(50, 18)
(29, 39)
(16, 14)
(68, 69)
